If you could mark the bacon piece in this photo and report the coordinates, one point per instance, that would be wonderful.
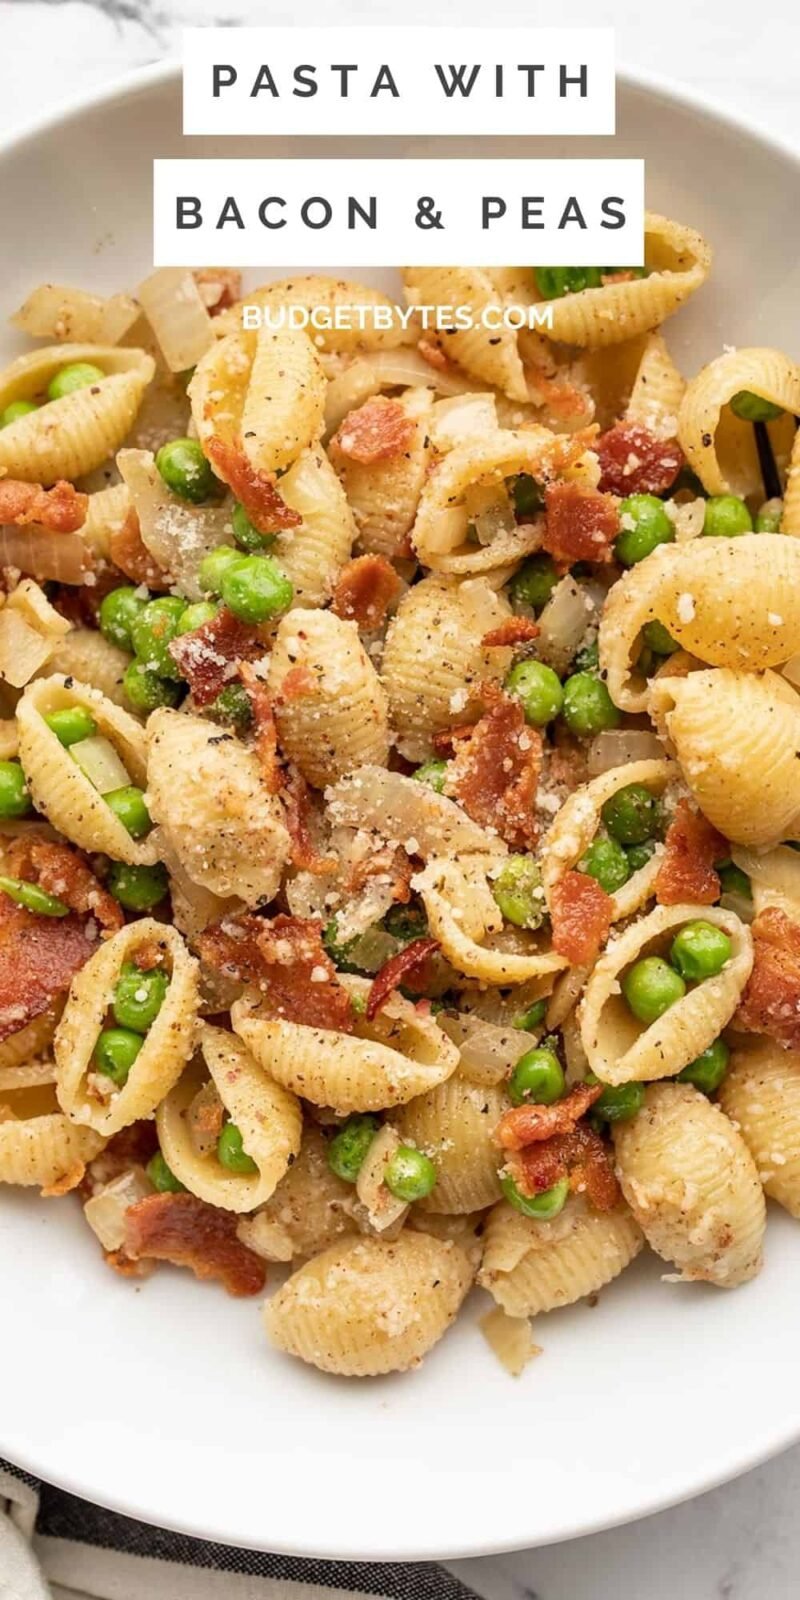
(530, 1124)
(285, 958)
(378, 430)
(365, 592)
(208, 656)
(63, 872)
(256, 490)
(297, 813)
(265, 729)
(391, 862)
(131, 1147)
(299, 681)
(220, 288)
(60, 509)
(495, 772)
(39, 957)
(396, 969)
(579, 1155)
(131, 556)
(581, 913)
(515, 630)
(635, 461)
(445, 741)
(771, 1000)
(580, 524)
(686, 874)
(567, 762)
(432, 352)
(189, 1233)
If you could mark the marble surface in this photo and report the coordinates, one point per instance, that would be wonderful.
(741, 1542)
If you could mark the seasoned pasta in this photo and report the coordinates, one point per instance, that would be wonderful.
(530, 1267)
(761, 1095)
(330, 707)
(74, 433)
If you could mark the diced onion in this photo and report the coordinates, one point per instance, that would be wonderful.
(563, 623)
(100, 763)
(105, 1212)
(175, 532)
(383, 1208)
(402, 810)
(448, 531)
(510, 1339)
(618, 747)
(387, 369)
(55, 312)
(488, 1052)
(28, 1075)
(178, 316)
(467, 416)
(44, 555)
(791, 671)
(489, 511)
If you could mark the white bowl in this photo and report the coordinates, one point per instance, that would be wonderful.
(165, 1401)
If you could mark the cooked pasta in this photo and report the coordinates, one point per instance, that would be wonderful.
(531, 1267)
(678, 263)
(761, 1095)
(453, 1125)
(74, 433)
(31, 631)
(384, 495)
(313, 555)
(579, 819)
(263, 393)
(719, 445)
(330, 707)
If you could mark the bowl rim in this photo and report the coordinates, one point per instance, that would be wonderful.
(693, 1483)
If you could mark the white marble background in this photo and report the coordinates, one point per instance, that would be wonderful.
(741, 1542)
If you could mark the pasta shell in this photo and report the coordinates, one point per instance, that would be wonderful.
(313, 555)
(46, 1151)
(761, 1094)
(692, 1186)
(790, 519)
(577, 823)
(68, 438)
(267, 1116)
(29, 1042)
(453, 1125)
(530, 1267)
(331, 710)
(621, 1049)
(401, 809)
(370, 1306)
(60, 790)
(736, 737)
(30, 632)
(658, 390)
(310, 1209)
(323, 297)
(384, 495)
(167, 1045)
(462, 912)
(85, 653)
(488, 353)
(263, 392)
(718, 445)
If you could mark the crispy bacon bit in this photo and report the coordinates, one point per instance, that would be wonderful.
(581, 914)
(299, 681)
(396, 970)
(515, 630)
(131, 1147)
(530, 1124)
(285, 958)
(378, 430)
(297, 814)
(256, 490)
(634, 461)
(63, 872)
(130, 554)
(39, 957)
(390, 862)
(579, 1155)
(119, 1262)
(220, 288)
(189, 1233)
(366, 591)
(567, 760)
(60, 509)
(208, 656)
(496, 770)
(264, 723)
(432, 352)
(580, 524)
(771, 1000)
(686, 874)
(81, 606)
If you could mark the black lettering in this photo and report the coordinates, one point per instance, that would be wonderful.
(222, 78)
(266, 81)
(187, 211)
(305, 211)
(457, 81)
(230, 213)
(532, 210)
(307, 85)
(572, 213)
(344, 88)
(582, 80)
(271, 200)
(492, 207)
(356, 211)
(613, 218)
(385, 80)
(530, 74)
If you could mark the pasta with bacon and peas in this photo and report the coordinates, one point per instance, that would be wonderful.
(398, 809)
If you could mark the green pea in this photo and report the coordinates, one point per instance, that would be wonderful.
(606, 862)
(212, 566)
(707, 1071)
(518, 891)
(587, 659)
(232, 706)
(115, 1052)
(632, 815)
(526, 494)
(196, 616)
(255, 589)
(433, 773)
(347, 1150)
(246, 535)
(231, 1151)
(153, 631)
(542, 1207)
(733, 880)
(588, 706)
(15, 801)
(17, 409)
(700, 951)
(33, 898)
(752, 408)
(535, 581)
(553, 282)
(139, 996)
(659, 639)
(71, 724)
(639, 854)
(620, 1104)
(410, 1175)
(538, 689)
(129, 807)
(146, 690)
(79, 375)
(768, 519)
(537, 1077)
(530, 1019)
(118, 611)
(726, 517)
(650, 987)
(644, 525)
(185, 470)
(138, 888)
(162, 1177)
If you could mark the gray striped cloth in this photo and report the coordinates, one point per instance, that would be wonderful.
(54, 1546)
